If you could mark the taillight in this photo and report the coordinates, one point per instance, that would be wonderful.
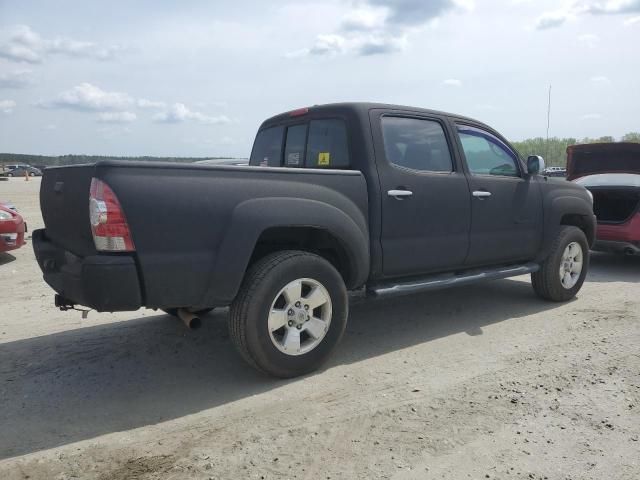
(108, 223)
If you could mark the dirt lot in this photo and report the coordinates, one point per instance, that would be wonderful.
(480, 382)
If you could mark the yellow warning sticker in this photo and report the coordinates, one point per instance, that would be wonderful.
(324, 158)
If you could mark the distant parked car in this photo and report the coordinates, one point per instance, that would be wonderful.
(555, 171)
(611, 172)
(224, 161)
(19, 171)
(12, 228)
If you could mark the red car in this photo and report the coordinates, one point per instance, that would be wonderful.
(611, 172)
(12, 229)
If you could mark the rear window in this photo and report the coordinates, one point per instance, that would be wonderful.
(316, 144)
(267, 149)
(294, 150)
(327, 145)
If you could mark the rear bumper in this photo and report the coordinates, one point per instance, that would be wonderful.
(623, 237)
(12, 234)
(627, 248)
(106, 283)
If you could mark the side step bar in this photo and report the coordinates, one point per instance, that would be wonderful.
(446, 280)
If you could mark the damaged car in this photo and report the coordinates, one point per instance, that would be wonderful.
(611, 172)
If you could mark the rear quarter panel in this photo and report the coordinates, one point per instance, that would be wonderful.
(195, 227)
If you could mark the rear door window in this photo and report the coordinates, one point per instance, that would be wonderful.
(267, 149)
(294, 148)
(327, 144)
(417, 144)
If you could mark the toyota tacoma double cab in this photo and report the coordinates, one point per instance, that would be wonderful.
(385, 199)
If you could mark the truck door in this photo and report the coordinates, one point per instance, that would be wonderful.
(424, 194)
(506, 210)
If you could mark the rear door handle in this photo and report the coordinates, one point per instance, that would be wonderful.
(481, 194)
(399, 194)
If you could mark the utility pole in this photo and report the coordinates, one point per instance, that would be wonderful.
(548, 122)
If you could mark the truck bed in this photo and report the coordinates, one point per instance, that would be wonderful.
(188, 221)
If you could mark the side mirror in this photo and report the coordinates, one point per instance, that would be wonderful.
(535, 164)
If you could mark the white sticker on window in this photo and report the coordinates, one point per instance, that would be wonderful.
(293, 158)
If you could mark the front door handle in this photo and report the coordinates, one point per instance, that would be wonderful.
(399, 194)
(481, 194)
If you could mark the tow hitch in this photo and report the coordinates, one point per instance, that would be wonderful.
(65, 304)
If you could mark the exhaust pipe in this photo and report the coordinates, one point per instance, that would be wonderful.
(191, 320)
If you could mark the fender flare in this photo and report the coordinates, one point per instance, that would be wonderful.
(558, 208)
(252, 217)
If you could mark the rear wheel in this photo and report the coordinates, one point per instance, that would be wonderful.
(563, 272)
(9, 174)
(290, 313)
(32, 174)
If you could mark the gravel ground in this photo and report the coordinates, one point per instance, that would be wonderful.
(480, 382)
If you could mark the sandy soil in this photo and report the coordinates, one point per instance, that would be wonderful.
(480, 382)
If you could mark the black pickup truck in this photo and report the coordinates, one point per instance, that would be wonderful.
(387, 199)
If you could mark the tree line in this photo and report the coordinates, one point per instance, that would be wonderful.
(554, 150)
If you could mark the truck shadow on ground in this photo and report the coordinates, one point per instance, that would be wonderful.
(6, 258)
(79, 384)
(609, 267)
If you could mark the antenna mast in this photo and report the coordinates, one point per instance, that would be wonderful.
(548, 121)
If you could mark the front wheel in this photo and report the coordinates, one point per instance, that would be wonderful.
(562, 274)
(290, 313)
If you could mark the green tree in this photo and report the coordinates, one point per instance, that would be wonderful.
(631, 137)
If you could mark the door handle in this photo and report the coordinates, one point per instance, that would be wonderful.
(399, 194)
(481, 194)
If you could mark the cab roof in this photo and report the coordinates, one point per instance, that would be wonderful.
(362, 108)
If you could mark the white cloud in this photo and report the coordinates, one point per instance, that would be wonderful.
(21, 44)
(364, 18)
(145, 103)
(608, 7)
(7, 106)
(600, 80)
(591, 116)
(632, 21)
(88, 97)
(380, 44)
(452, 82)
(178, 112)
(16, 79)
(613, 7)
(552, 19)
(589, 39)
(116, 117)
(328, 44)
(375, 27)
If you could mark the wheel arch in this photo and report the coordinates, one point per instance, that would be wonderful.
(567, 211)
(261, 226)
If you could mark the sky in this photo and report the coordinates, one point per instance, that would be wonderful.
(196, 78)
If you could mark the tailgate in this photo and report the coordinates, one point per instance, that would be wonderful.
(64, 201)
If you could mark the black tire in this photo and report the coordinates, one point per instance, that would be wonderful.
(174, 311)
(9, 174)
(249, 314)
(546, 281)
(32, 174)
